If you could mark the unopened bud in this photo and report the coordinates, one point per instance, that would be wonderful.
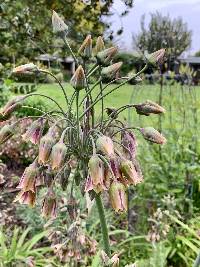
(112, 112)
(78, 79)
(6, 132)
(111, 70)
(46, 144)
(118, 196)
(86, 48)
(34, 132)
(58, 24)
(105, 145)
(156, 57)
(28, 179)
(27, 198)
(99, 45)
(26, 68)
(152, 135)
(12, 105)
(49, 205)
(105, 56)
(129, 171)
(58, 155)
(149, 107)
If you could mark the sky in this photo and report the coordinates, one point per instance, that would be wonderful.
(189, 10)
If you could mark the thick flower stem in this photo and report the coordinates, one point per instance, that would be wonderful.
(104, 228)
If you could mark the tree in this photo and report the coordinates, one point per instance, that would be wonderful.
(163, 32)
(27, 24)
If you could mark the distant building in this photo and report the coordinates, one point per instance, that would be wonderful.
(193, 62)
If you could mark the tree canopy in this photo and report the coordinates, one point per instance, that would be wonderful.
(163, 32)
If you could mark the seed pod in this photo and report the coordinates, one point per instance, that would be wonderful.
(152, 135)
(105, 56)
(149, 107)
(27, 197)
(49, 205)
(34, 132)
(86, 48)
(58, 155)
(96, 175)
(110, 71)
(118, 196)
(129, 171)
(59, 27)
(6, 132)
(99, 45)
(129, 143)
(156, 57)
(105, 145)
(12, 105)
(28, 179)
(46, 144)
(78, 79)
(26, 68)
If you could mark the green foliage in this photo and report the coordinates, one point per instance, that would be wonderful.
(18, 251)
(163, 32)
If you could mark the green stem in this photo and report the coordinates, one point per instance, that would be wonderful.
(197, 261)
(104, 228)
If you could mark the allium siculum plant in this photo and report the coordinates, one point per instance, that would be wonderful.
(99, 147)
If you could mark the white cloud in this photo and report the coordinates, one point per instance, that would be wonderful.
(157, 4)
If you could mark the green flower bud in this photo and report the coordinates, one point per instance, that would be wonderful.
(105, 56)
(86, 48)
(149, 107)
(78, 79)
(118, 196)
(156, 57)
(112, 70)
(99, 45)
(152, 135)
(58, 24)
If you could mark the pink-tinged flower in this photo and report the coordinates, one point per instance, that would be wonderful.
(95, 179)
(30, 67)
(105, 56)
(78, 79)
(149, 107)
(156, 57)
(118, 196)
(115, 260)
(46, 144)
(105, 145)
(86, 48)
(34, 132)
(115, 166)
(112, 69)
(152, 135)
(59, 26)
(27, 198)
(58, 155)
(6, 132)
(12, 105)
(129, 143)
(129, 172)
(49, 205)
(28, 179)
(99, 45)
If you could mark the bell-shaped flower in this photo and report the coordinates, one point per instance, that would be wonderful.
(129, 172)
(58, 155)
(118, 196)
(45, 147)
(49, 205)
(129, 143)
(34, 132)
(105, 145)
(27, 198)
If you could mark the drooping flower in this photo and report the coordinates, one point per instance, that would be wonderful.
(58, 154)
(105, 56)
(118, 196)
(112, 69)
(149, 107)
(28, 179)
(49, 205)
(27, 198)
(78, 79)
(99, 45)
(95, 179)
(12, 105)
(129, 172)
(46, 144)
(6, 132)
(59, 26)
(26, 68)
(86, 48)
(129, 143)
(105, 145)
(34, 132)
(152, 135)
